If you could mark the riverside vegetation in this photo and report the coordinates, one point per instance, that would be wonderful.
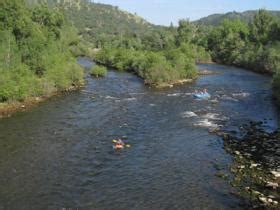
(254, 45)
(98, 71)
(42, 54)
(35, 58)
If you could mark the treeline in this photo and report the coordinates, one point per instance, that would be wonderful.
(155, 68)
(254, 45)
(246, 16)
(158, 61)
(35, 58)
(127, 42)
(168, 54)
(37, 45)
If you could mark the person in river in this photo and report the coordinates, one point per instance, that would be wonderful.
(119, 141)
(119, 144)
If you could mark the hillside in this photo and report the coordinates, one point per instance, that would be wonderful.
(97, 21)
(101, 18)
(246, 16)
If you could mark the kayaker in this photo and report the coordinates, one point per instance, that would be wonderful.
(119, 144)
(119, 141)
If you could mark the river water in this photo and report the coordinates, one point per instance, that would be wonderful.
(59, 154)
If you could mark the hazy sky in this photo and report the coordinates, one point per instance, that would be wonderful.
(165, 11)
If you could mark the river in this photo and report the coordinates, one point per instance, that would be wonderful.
(59, 154)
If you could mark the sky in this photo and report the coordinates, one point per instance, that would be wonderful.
(163, 12)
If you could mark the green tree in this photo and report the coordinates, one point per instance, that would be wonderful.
(186, 32)
(35, 56)
(228, 40)
(261, 27)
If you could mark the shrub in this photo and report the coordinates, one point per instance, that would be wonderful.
(35, 57)
(18, 84)
(154, 67)
(98, 71)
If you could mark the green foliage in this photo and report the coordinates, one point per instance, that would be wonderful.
(247, 17)
(255, 45)
(50, 18)
(34, 51)
(261, 28)
(186, 32)
(227, 40)
(160, 56)
(9, 56)
(103, 24)
(154, 67)
(249, 45)
(98, 71)
(18, 83)
(196, 52)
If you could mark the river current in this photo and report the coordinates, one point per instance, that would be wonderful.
(59, 154)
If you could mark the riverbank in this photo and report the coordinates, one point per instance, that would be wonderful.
(170, 84)
(7, 109)
(256, 164)
(201, 72)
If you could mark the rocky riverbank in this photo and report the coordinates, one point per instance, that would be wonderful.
(7, 109)
(170, 84)
(256, 164)
(201, 72)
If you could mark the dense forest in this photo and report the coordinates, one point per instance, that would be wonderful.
(40, 37)
(35, 59)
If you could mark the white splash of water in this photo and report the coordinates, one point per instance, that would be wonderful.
(224, 97)
(241, 94)
(110, 97)
(129, 99)
(211, 116)
(205, 123)
(188, 114)
(173, 94)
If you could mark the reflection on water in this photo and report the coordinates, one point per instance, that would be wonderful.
(59, 154)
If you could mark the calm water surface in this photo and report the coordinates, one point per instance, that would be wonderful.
(59, 154)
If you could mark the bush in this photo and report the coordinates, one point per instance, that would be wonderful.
(98, 71)
(18, 84)
(153, 67)
(35, 57)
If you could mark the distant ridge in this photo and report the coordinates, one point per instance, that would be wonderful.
(96, 18)
(246, 16)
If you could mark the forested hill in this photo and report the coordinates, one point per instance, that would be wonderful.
(246, 16)
(98, 22)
